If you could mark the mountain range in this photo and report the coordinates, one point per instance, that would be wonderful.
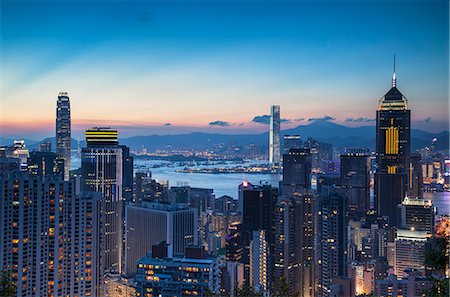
(324, 131)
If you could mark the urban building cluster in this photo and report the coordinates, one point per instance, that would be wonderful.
(356, 226)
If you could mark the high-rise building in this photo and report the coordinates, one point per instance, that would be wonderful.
(410, 251)
(200, 198)
(416, 214)
(63, 131)
(257, 206)
(163, 273)
(148, 189)
(20, 152)
(45, 163)
(49, 236)
(332, 237)
(232, 278)
(287, 245)
(296, 171)
(259, 262)
(355, 181)
(409, 285)
(415, 176)
(127, 174)
(233, 243)
(45, 146)
(151, 223)
(101, 167)
(295, 257)
(274, 136)
(393, 152)
(291, 142)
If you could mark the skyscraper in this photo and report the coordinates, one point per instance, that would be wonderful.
(154, 222)
(259, 262)
(291, 142)
(355, 181)
(274, 136)
(49, 237)
(332, 237)
(295, 257)
(393, 152)
(257, 206)
(296, 171)
(63, 138)
(101, 166)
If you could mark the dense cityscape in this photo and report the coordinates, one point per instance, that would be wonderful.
(224, 148)
(339, 222)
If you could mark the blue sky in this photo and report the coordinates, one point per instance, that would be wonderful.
(139, 65)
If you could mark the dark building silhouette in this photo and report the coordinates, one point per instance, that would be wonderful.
(355, 181)
(127, 172)
(393, 152)
(148, 189)
(415, 176)
(257, 206)
(45, 146)
(296, 171)
(291, 142)
(45, 163)
(294, 256)
(332, 236)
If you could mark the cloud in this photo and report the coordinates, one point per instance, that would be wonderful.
(427, 120)
(299, 119)
(219, 123)
(265, 119)
(360, 120)
(167, 124)
(325, 118)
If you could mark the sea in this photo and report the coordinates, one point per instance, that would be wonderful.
(227, 183)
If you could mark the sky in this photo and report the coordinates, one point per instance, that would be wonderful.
(148, 67)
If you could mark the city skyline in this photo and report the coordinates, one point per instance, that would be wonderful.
(181, 76)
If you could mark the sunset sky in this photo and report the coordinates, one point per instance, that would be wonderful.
(174, 67)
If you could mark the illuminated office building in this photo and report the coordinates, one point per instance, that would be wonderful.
(63, 130)
(274, 136)
(101, 167)
(393, 152)
(410, 251)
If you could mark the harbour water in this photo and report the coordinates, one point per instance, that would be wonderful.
(227, 184)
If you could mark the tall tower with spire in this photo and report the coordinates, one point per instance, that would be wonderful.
(63, 135)
(393, 151)
(274, 136)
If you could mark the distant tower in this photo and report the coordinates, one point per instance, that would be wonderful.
(274, 136)
(393, 152)
(63, 140)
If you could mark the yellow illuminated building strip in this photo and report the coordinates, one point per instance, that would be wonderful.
(392, 141)
(392, 169)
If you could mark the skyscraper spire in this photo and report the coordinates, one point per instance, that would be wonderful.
(394, 79)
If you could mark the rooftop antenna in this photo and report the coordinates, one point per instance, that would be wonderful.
(394, 79)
